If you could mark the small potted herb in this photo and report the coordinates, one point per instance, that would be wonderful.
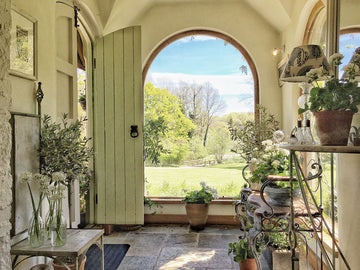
(243, 255)
(82, 101)
(197, 205)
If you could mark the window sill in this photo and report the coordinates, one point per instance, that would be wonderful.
(178, 200)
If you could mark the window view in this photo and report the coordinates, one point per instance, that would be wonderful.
(194, 88)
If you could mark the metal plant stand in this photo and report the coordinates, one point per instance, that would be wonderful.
(303, 217)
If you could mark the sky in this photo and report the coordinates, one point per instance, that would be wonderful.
(200, 59)
(347, 45)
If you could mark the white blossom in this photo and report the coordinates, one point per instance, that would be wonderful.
(266, 142)
(275, 163)
(26, 177)
(336, 58)
(58, 176)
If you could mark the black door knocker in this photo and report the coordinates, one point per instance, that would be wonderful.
(134, 131)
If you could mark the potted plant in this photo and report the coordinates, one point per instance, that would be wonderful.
(197, 205)
(82, 101)
(274, 164)
(248, 137)
(63, 149)
(335, 101)
(243, 255)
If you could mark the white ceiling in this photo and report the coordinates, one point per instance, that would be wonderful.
(275, 12)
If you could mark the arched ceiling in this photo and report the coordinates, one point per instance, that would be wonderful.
(123, 12)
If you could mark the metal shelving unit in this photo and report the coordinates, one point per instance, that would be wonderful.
(303, 216)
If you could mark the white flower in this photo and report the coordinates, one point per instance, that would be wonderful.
(266, 156)
(351, 69)
(254, 161)
(266, 142)
(58, 176)
(285, 152)
(275, 163)
(336, 58)
(203, 184)
(26, 177)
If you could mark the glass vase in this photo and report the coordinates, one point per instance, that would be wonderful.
(56, 224)
(36, 231)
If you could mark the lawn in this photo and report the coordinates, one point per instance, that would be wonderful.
(170, 181)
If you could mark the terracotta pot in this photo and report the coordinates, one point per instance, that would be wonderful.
(197, 215)
(249, 264)
(83, 104)
(71, 266)
(334, 126)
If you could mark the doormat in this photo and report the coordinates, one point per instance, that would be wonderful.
(113, 255)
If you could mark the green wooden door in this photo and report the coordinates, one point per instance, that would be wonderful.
(118, 105)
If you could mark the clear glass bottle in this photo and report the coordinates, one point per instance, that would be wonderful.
(299, 132)
(307, 136)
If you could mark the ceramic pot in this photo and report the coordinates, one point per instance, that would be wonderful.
(197, 215)
(71, 266)
(249, 264)
(334, 127)
(281, 196)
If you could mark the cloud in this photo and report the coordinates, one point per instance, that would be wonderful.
(234, 84)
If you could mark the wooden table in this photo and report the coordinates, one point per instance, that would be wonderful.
(77, 243)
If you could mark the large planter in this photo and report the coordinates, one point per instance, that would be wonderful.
(249, 264)
(334, 127)
(281, 196)
(197, 215)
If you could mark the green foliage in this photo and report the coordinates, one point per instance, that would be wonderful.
(177, 153)
(62, 149)
(203, 196)
(334, 96)
(196, 149)
(241, 250)
(82, 98)
(248, 135)
(219, 141)
(165, 124)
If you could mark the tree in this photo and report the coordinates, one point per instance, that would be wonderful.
(219, 141)
(212, 103)
(200, 104)
(165, 124)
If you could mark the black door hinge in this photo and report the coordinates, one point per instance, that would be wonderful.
(96, 199)
(94, 62)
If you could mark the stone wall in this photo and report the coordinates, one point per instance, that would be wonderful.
(5, 135)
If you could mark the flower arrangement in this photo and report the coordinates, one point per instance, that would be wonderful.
(36, 226)
(203, 196)
(274, 161)
(336, 94)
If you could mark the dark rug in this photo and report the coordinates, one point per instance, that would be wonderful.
(113, 255)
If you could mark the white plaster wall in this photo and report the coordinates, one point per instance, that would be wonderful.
(5, 136)
(348, 171)
(235, 19)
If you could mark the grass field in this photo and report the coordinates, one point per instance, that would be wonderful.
(170, 181)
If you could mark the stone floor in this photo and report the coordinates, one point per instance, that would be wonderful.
(170, 247)
(167, 247)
